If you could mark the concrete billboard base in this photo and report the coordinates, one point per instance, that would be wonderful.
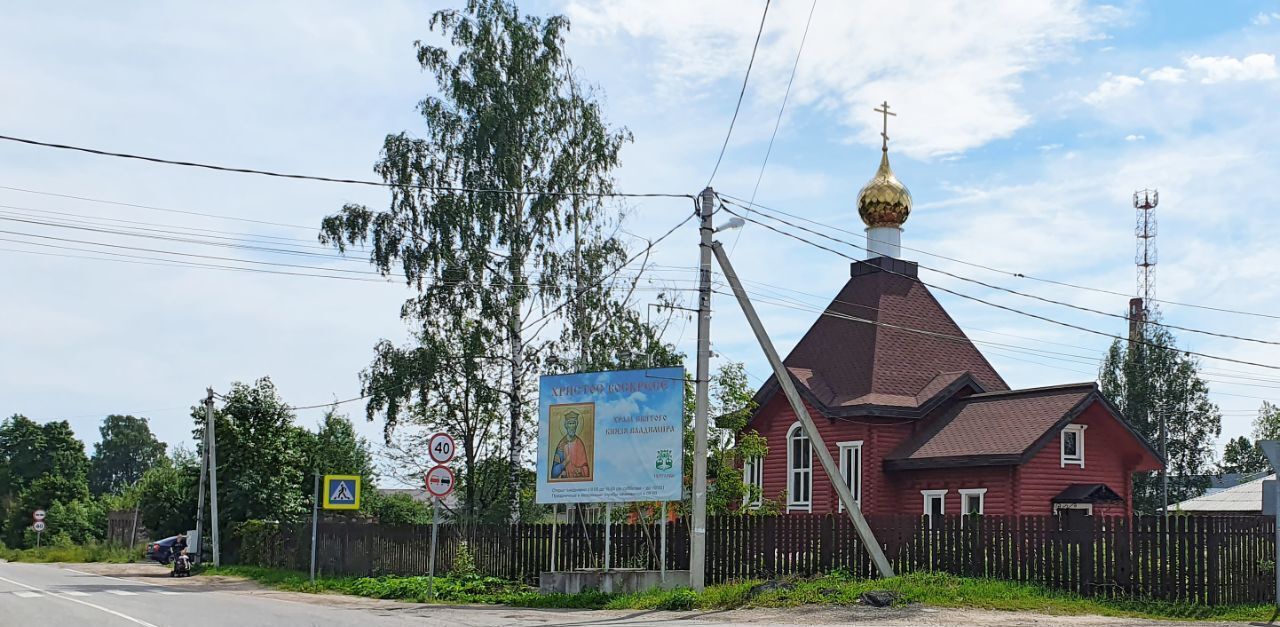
(617, 580)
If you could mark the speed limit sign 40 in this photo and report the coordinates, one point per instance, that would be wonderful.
(37, 526)
(440, 447)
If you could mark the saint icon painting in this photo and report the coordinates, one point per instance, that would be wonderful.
(573, 429)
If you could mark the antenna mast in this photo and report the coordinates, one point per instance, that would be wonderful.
(1145, 258)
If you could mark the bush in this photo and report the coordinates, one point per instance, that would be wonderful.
(680, 600)
(464, 562)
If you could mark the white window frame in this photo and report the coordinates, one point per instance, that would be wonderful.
(1078, 459)
(931, 494)
(753, 476)
(968, 493)
(793, 504)
(846, 449)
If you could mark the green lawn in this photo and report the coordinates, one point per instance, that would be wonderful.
(937, 590)
(73, 553)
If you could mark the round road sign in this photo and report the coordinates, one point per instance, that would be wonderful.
(439, 481)
(38, 526)
(38, 514)
(441, 448)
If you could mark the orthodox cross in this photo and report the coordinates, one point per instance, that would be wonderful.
(884, 108)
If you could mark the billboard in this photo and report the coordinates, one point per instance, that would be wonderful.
(611, 436)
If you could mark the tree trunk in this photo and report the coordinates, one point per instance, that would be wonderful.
(517, 399)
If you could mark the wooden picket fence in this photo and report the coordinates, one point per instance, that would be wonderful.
(1196, 559)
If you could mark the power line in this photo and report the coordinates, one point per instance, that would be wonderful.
(1011, 309)
(778, 122)
(155, 208)
(92, 219)
(1022, 294)
(327, 179)
(1020, 275)
(737, 107)
(578, 293)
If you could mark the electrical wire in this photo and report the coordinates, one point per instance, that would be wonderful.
(155, 208)
(578, 293)
(1022, 294)
(327, 179)
(1012, 309)
(745, 79)
(778, 122)
(1020, 275)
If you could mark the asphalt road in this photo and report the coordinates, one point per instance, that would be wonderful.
(57, 595)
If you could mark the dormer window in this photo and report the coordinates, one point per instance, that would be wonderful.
(1073, 445)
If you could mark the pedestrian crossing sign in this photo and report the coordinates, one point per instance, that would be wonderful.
(341, 492)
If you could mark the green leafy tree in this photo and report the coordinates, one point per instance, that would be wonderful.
(1153, 378)
(167, 496)
(126, 450)
(261, 455)
(1242, 456)
(506, 113)
(397, 509)
(1266, 425)
(42, 465)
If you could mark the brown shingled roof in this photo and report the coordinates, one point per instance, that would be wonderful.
(903, 350)
(995, 427)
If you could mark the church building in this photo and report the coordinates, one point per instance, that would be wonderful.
(918, 420)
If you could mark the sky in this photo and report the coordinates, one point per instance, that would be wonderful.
(1023, 129)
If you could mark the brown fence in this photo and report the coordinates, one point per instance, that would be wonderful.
(1206, 560)
(124, 528)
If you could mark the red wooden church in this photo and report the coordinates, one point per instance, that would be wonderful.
(918, 420)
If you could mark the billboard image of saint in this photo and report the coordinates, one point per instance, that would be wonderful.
(573, 430)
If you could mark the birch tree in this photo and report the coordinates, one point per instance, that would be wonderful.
(481, 198)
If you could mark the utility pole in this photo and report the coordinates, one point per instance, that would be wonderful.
(698, 538)
(1164, 452)
(204, 469)
(212, 433)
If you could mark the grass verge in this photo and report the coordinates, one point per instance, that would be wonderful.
(73, 553)
(938, 590)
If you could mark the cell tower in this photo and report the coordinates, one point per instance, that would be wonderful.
(1145, 258)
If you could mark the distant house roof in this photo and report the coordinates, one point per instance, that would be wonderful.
(1245, 498)
(996, 428)
(884, 342)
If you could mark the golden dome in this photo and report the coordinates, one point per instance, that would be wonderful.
(884, 200)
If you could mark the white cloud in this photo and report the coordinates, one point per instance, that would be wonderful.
(1112, 88)
(1264, 18)
(1260, 66)
(1134, 138)
(1167, 74)
(1049, 147)
(954, 71)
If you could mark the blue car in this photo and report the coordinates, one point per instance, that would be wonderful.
(162, 550)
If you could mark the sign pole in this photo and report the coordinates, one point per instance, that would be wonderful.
(315, 520)
(431, 561)
(662, 543)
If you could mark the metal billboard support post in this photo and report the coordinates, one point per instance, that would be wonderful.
(818, 445)
(431, 560)
(662, 543)
(315, 521)
(555, 510)
(608, 527)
